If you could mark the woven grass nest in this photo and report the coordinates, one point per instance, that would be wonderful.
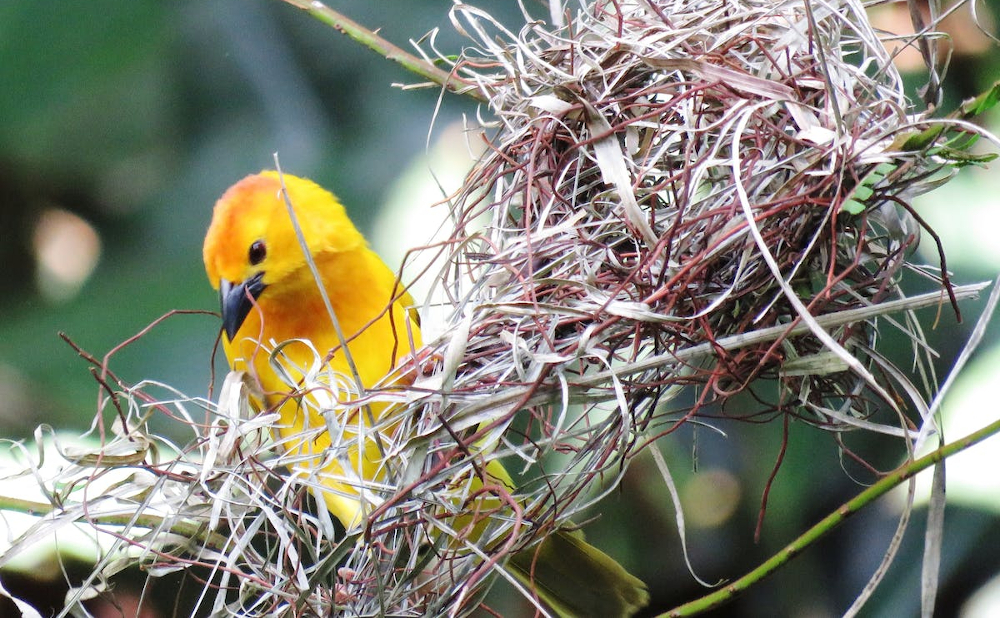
(678, 195)
(668, 182)
(694, 197)
(687, 195)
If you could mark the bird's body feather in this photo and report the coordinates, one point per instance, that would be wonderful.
(372, 319)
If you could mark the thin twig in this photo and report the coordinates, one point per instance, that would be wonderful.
(373, 41)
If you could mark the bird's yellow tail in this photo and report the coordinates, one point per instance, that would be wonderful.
(576, 579)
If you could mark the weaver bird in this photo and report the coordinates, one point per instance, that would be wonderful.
(270, 295)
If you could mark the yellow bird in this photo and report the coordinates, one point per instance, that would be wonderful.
(269, 296)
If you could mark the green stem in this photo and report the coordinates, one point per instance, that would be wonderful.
(384, 48)
(831, 521)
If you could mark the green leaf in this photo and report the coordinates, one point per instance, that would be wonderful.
(981, 103)
(961, 158)
(853, 207)
(855, 202)
(921, 140)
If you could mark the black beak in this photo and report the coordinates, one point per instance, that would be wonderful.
(237, 301)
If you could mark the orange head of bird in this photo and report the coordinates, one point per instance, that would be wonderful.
(252, 243)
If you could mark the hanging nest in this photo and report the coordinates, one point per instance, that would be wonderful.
(696, 195)
(700, 194)
(666, 184)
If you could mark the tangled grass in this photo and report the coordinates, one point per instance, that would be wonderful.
(693, 197)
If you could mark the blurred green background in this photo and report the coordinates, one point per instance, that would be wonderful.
(121, 122)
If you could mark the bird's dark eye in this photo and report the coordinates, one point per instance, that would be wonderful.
(257, 252)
